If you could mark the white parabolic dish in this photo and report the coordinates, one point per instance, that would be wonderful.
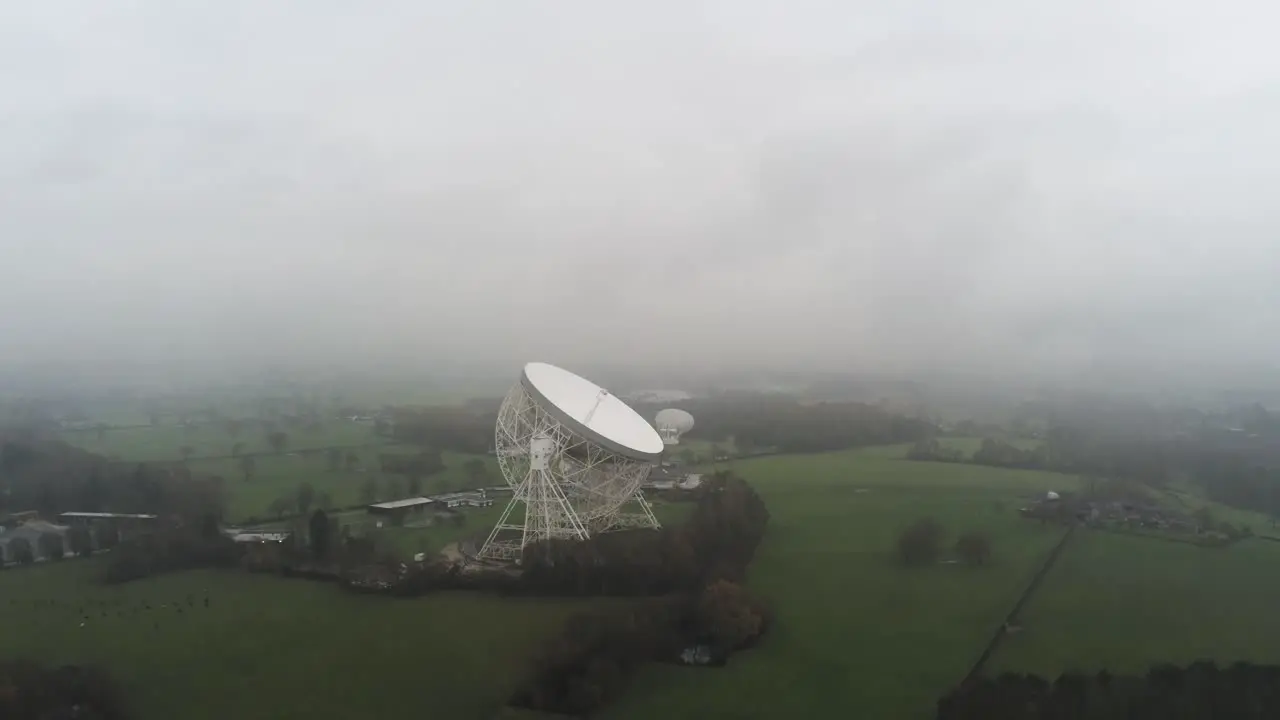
(592, 411)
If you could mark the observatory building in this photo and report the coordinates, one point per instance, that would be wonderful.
(575, 457)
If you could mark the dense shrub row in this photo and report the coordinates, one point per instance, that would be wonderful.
(29, 690)
(589, 662)
(169, 550)
(1243, 691)
(697, 566)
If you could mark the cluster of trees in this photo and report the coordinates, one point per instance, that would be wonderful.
(697, 568)
(1167, 692)
(717, 542)
(339, 459)
(783, 424)
(1232, 480)
(169, 549)
(53, 477)
(300, 501)
(756, 422)
(414, 468)
(931, 450)
(30, 690)
(465, 429)
(588, 664)
(922, 543)
(1068, 451)
(689, 575)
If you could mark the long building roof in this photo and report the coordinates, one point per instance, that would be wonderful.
(107, 515)
(406, 502)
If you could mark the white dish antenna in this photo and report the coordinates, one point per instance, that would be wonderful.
(671, 424)
(575, 457)
(593, 411)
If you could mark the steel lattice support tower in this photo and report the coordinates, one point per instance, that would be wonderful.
(568, 486)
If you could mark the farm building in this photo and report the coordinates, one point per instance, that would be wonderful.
(90, 516)
(274, 536)
(672, 481)
(397, 512)
(117, 525)
(463, 499)
(30, 531)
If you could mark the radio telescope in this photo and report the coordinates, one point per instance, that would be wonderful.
(672, 423)
(575, 457)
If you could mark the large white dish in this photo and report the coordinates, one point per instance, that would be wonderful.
(592, 411)
(673, 419)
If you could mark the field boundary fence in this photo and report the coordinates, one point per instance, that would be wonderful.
(994, 644)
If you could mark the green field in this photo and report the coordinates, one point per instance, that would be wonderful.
(272, 648)
(856, 631)
(164, 442)
(281, 475)
(971, 445)
(1124, 602)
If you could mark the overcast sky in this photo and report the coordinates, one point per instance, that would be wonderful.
(995, 185)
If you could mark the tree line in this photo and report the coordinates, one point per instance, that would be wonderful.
(690, 576)
(53, 477)
(170, 548)
(780, 423)
(698, 567)
(1243, 691)
(756, 422)
(1228, 473)
(31, 690)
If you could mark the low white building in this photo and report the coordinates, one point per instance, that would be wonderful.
(31, 531)
(274, 536)
(464, 499)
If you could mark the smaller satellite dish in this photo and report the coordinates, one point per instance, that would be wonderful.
(1051, 495)
(671, 424)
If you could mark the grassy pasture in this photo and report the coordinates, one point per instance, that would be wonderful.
(477, 524)
(280, 475)
(970, 445)
(163, 442)
(1124, 602)
(854, 629)
(269, 648)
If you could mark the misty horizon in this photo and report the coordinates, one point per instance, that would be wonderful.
(1063, 191)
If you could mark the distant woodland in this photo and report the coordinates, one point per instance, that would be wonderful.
(754, 422)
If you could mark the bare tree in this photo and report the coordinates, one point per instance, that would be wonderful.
(278, 439)
(279, 507)
(248, 466)
(920, 544)
(369, 491)
(306, 496)
(394, 489)
(477, 472)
